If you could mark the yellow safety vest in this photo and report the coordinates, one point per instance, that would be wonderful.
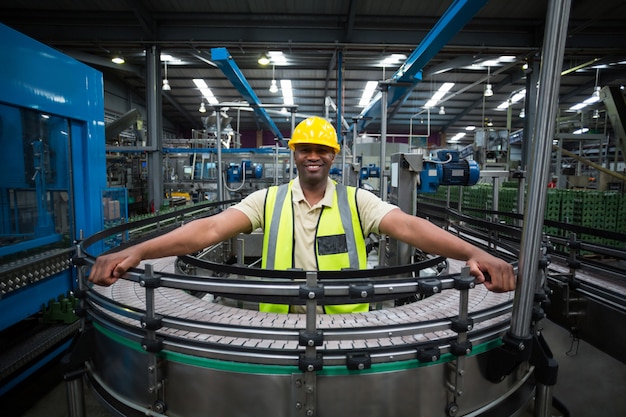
(339, 240)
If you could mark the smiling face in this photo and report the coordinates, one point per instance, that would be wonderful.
(313, 162)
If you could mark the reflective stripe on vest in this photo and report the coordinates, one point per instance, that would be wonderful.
(339, 241)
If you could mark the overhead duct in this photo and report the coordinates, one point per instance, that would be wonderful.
(224, 61)
(406, 78)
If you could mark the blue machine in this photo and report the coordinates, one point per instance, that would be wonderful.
(447, 168)
(52, 173)
(246, 170)
(370, 171)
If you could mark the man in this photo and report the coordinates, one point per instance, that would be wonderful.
(311, 223)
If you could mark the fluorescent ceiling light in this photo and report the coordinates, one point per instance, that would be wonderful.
(458, 136)
(507, 58)
(580, 131)
(590, 100)
(504, 59)
(470, 128)
(518, 96)
(285, 86)
(514, 99)
(277, 57)
(392, 59)
(368, 92)
(205, 90)
(577, 107)
(490, 63)
(445, 87)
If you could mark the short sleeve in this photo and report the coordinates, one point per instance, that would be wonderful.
(371, 210)
(253, 207)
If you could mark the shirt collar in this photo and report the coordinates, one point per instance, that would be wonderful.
(298, 195)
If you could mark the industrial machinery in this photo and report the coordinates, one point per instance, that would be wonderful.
(52, 185)
(190, 341)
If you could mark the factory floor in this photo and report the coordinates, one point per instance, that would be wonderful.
(590, 383)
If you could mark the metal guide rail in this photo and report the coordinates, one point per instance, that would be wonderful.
(161, 302)
(248, 335)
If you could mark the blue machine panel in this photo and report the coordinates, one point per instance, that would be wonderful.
(52, 167)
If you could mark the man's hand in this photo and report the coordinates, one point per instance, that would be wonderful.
(496, 274)
(108, 268)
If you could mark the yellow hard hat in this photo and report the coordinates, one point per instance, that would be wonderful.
(316, 130)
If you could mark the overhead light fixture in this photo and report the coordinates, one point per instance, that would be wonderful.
(522, 113)
(593, 99)
(264, 59)
(442, 110)
(273, 86)
(392, 60)
(488, 87)
(596, 114)
(285, 86)
(118, 59)
(596, 89)
(205, 90)
(368, 92)
(445, 87)
(277, 57)
(166, 83)
(514, 98)
(202, 108)
(458, 136)
(596, 92)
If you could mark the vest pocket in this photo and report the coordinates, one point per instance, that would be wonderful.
(333, 244)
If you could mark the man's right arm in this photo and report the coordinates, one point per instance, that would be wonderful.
(186, 239)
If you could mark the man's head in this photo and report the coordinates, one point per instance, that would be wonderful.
(314, 142)
(315, 131)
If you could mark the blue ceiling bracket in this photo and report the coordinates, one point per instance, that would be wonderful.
(406, 78)
(224, 61)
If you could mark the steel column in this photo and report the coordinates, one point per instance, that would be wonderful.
(554, 45)
(153, 104)
(218, 145)
(384, 88)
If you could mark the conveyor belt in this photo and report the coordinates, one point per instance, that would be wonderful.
(393, 327)
(157, 345)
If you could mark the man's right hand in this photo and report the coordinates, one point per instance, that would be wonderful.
(108, 268)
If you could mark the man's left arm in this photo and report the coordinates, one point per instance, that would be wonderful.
(497, 275)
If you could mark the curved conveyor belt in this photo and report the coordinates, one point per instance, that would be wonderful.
(161, 350)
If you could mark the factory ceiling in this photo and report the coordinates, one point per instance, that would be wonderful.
(331, 50)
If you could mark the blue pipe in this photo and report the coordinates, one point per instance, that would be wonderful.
(409, 74)
(225, 62)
